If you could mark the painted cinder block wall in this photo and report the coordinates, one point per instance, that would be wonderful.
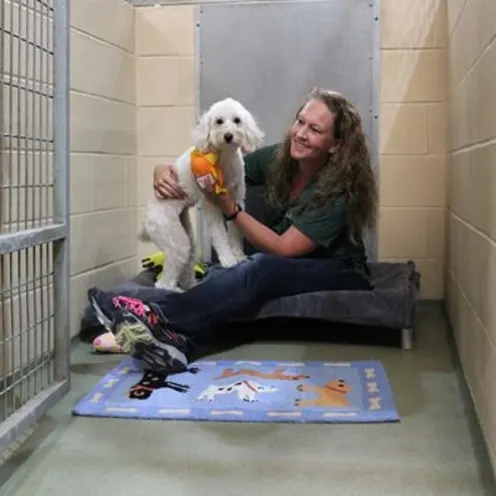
(102, 147)
(471, 200)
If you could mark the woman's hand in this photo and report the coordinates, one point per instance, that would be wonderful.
(165, 183)
(224, 201)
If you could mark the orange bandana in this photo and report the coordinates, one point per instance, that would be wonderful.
(204, 167)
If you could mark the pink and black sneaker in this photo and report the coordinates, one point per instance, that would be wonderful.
(106, 308)
(140, 332)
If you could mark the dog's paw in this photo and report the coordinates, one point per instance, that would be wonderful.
(227, 262)
(240, 257)
(184, 285)
(168, 287)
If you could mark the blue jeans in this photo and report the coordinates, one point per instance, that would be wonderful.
(237, 292)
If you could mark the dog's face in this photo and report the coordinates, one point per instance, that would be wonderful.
(227, 124)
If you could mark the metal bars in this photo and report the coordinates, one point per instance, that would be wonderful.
(34, 216)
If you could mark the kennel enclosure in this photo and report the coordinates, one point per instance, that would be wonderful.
(34, 215)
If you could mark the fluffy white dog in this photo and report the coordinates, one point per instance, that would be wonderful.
(226, 129)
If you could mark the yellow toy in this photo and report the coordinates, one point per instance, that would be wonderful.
(204, 167)
(153, 261)
(156, 263)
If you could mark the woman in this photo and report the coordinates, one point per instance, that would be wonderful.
(321, 195)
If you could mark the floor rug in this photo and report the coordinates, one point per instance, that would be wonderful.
(246, 391)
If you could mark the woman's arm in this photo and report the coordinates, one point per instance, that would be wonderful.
(166, 186)
(292, 243)
(165, 183)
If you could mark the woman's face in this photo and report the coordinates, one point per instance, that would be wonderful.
(312, 134)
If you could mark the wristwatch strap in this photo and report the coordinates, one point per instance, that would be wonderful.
(235, 214)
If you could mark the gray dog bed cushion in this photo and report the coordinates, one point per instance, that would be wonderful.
(392, 302)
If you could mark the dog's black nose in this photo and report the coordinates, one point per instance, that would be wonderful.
(228, 137)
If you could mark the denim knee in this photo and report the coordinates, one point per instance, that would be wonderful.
(261, 262)
(257, 269)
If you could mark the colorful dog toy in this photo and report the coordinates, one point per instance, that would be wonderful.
(204, 167)
(155, 262)
(106, 343)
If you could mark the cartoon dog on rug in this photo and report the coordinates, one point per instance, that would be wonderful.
(278, 374)
(332, 394)
(152, 381)
(246, 391)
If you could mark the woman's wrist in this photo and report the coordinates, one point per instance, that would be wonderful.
(227, 204)
(230, 209)
(233, 214)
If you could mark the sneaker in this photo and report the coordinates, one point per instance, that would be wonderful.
(160, 349)
(105, 308)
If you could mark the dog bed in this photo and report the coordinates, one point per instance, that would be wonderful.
(391, 304)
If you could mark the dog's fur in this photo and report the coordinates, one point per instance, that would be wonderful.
(167, 222)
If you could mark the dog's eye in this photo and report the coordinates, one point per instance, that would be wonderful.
(237, 120)
(219, 122)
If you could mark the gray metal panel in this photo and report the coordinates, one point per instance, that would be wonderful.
(268, 55)
(61, 248)
(201, 224)
(372, 241)
(21, 240)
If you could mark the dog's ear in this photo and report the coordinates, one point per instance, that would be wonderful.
(253, 135)
(201, 133)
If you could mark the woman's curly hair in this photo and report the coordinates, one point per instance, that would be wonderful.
(348, 171)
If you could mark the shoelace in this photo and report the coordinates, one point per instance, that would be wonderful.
(136, 306)
(140, 309)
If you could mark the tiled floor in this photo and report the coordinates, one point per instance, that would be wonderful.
(434, 450)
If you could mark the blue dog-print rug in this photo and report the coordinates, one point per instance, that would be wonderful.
(246, 391)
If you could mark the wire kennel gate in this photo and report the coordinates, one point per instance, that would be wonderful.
(34, 211)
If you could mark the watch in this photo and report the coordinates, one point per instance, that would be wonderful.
(235, 214)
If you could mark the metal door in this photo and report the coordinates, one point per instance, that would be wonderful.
(269, 54)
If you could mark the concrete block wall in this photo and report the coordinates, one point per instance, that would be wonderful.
(471, 200)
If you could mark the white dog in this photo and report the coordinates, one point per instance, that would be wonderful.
(226, 129)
